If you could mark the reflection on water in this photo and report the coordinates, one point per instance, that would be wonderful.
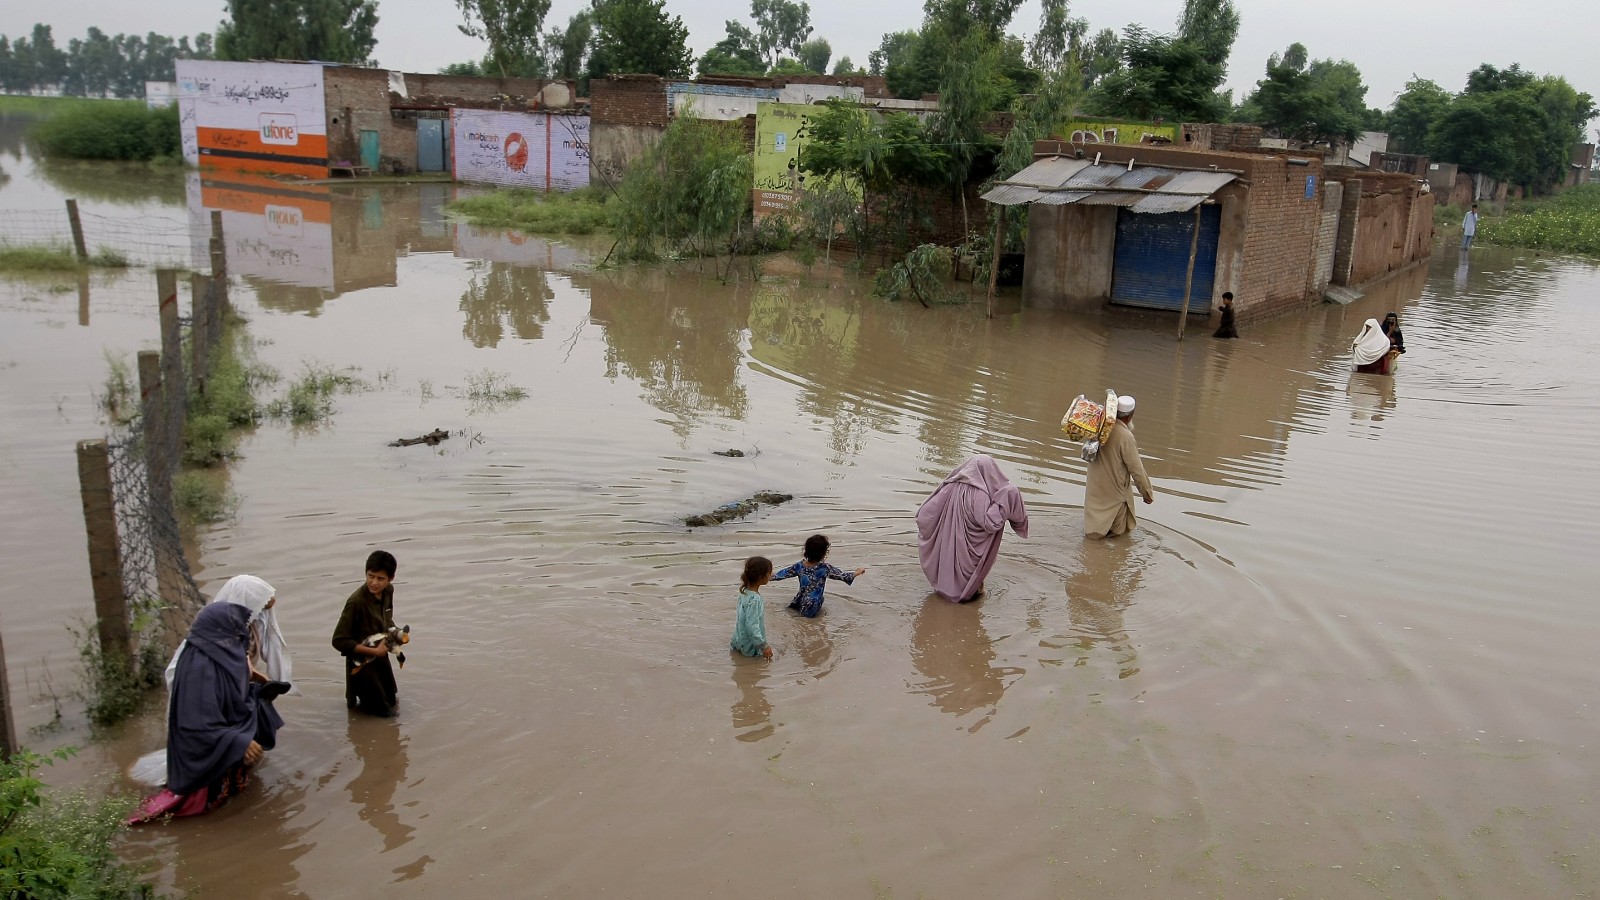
(500, 296)
(752, 712)
(1099, 592)
(951, 650)
(382, 751)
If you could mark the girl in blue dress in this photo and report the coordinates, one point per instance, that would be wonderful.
(750, 628)
(814, 574)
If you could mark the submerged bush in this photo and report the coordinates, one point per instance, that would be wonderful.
(59, 845)
(689, 196)
(922, 276)
(228, 402)
(202, 497)
(488, 390)
(110, 129)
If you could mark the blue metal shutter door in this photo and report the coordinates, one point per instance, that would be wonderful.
(1152, 258)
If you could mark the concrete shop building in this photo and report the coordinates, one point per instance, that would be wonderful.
(1116, 224)
(308, 119)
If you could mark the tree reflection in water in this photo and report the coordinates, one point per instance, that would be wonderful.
(501, 296)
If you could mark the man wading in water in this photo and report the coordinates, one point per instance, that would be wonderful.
(1108, 497)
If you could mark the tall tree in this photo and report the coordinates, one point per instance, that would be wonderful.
(1309, 99)
(1164, 77)
(325, 30)
(1421, 104)
(781, 26)
(894, 48)
(1513, 126)
(567, 49)
(845, 67)
(512, 29)
(638, 37)
(814, 55)
(1211, 25)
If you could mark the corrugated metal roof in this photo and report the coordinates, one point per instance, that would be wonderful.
(1142, 189)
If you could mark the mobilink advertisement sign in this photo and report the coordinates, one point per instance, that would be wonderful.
(256, 117)
(536, 151)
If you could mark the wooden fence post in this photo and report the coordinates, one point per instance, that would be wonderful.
(8, 723)
(172, 380)
(77, 229)
(1188, 279)
(83, 299)
(150, 402)
(105, 551)
(201, 324)
(219, 261)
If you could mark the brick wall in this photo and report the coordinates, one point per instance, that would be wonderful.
(1327, 238)
(1280, 244)
(629, 100)
(357, 100)
(1386, 224)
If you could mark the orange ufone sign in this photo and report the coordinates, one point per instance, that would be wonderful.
(254, 117)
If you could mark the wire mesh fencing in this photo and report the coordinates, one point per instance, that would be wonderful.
(133, 235)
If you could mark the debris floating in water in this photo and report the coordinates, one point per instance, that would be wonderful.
(737, 508)
(730, 452)
(432, 438)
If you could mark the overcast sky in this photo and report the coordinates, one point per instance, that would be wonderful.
(1388, 41)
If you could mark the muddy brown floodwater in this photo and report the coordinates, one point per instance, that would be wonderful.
(1349, 651)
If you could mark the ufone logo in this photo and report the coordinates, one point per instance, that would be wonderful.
(277, 128)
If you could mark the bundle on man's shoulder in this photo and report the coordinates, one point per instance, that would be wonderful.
(1090, 422)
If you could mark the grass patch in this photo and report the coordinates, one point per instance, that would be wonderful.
(579, 212)
(1568, 222)
(109, 129)
(228, 402)
(55, 257)
(25, 104)
(488, 390)
(60, 844)
(310, 396)
(203, 498)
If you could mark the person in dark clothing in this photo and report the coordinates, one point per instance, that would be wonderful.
(220, 718)
(1391, 327)
(1226, 329)
(369, 683)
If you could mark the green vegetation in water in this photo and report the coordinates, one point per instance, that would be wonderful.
(120, 400)
(578, 212)
(922, 275)
(60, 844)
(487, 391)
(228, 402)
(203, 497)
(689, 195)
(310, 396)
(114, 687)
(1568, 222)
(110, 129)
(43, 258)
(38, 106)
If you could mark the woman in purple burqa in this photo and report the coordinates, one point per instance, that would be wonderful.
(959, 527)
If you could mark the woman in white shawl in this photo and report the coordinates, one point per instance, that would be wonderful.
(1371, 349)
(267, 658)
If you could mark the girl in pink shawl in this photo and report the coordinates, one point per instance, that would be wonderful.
(959, 527)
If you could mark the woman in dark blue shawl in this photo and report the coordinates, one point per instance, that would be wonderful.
(220, 719)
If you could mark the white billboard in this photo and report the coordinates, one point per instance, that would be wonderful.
(536, 151)
(265, 117)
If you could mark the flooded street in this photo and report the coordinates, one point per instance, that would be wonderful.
(1347, 652)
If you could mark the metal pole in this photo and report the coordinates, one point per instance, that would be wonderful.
(1188, 279)
(77, 229)
(105, 552)
(994, 263)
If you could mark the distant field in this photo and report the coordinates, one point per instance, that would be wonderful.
(1569, 222)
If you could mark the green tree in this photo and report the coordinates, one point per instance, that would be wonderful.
(781, 25)
(1513, 126)
(1163, 77)
(566, 50)
(894, 48)
(328, 30)
(845, 67)
(1421, 104)
(512, 29)
(735, 54)
(471, 68)
(1308, 99)
(638, 37)
(814, 55)
(1211, 25)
